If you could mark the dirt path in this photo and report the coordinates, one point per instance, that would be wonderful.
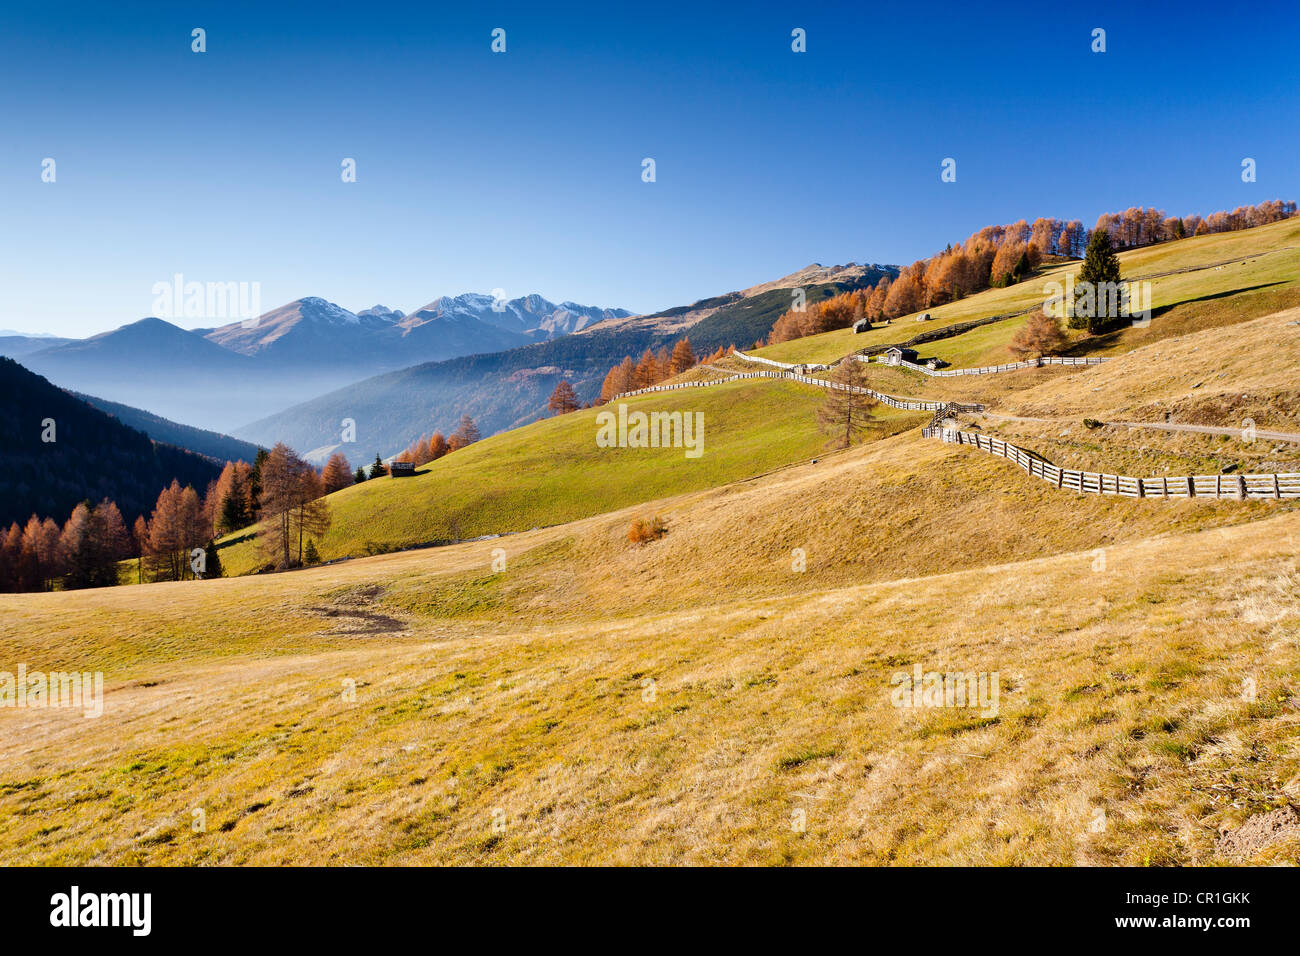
(1262, 433)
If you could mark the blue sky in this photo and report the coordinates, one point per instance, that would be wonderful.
(522, 171)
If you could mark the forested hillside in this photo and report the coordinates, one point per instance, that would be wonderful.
(89, 455)
(214, 445)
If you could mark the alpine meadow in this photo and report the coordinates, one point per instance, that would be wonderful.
(790, 440)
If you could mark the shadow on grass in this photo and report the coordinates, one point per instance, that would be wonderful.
(1094, 343)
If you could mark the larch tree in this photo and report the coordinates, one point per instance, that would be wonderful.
(466, 433)
(337, 473)
(166, 548)
(1041, 335)
(905, 295)
(311, 513)
(42, 539)
(564, 399)
(683, 356)
(281, 491)
(612, 385)
(846, 413)
(196, 527)
(117, 540)
(77, 545)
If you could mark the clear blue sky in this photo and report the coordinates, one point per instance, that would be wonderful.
(523, 170)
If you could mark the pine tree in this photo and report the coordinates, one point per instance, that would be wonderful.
(360, 476)
(378, 469)
(232, 511)
(310, 556)
(212, 562)
(255, 482)
(1100, 272)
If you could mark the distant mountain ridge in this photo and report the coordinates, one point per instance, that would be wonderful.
(509, 388)
(530, 315)
(17, 344)
(220, 378)
(220, 448)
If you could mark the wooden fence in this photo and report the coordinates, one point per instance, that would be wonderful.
(939, 373)
(810, 366)
(893, 401)
(947, 331)
(1239, 487)
(994, 369)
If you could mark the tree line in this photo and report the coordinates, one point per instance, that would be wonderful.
(998, 256)
(653, 368)
(429, 448)
(176, 541)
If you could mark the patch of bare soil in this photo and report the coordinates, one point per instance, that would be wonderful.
(352, 614)
(1259, 833)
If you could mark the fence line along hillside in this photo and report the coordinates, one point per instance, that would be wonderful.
(1239, 487)
(994, 369)
(940, 373)
(809, 366)
(893, 401)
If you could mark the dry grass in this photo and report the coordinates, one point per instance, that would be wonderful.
(604, 702)
(692, 699)
(693, 733)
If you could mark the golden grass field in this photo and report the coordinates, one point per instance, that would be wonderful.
(723, 694)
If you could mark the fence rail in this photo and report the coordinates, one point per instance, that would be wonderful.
(994, 369)
(1238, 487)
(939, 373)
(893, 401)
(809, 366)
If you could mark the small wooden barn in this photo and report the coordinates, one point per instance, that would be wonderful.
(896, 354)
(401, 469)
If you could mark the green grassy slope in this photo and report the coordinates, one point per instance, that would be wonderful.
(552, 471)
(1181, 303)
(504, 390)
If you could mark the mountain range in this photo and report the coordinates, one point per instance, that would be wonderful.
(297, 372)
(220, 378)
(504, 389)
